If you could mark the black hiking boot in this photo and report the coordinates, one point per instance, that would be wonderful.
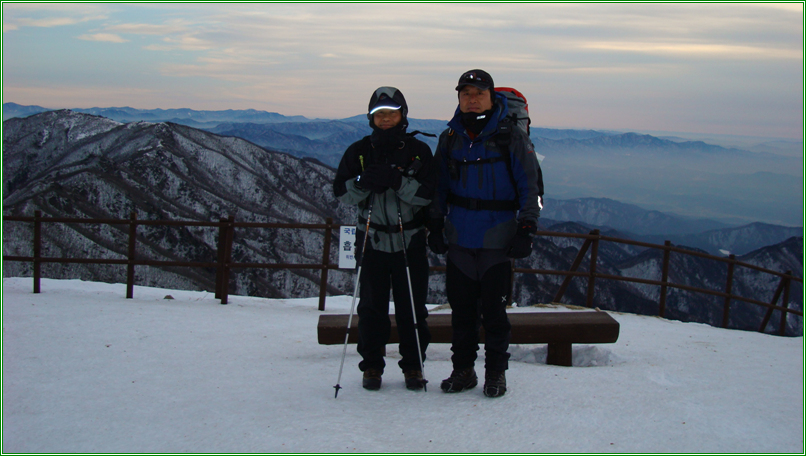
(495, 383)
(414, 380)
(372, 379)
(460, 380)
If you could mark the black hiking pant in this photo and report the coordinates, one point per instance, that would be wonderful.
(380, 272)
(476, 303)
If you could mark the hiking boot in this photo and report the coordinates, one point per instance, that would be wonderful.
(372, 379)
(495, 383)
(460, 380)
(414, 380)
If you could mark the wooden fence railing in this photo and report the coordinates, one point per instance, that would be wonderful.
(224, 264)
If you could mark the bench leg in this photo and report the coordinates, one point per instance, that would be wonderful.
(559, 354)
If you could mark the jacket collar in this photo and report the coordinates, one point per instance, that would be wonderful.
(501, 110)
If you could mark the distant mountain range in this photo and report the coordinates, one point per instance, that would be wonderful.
(279, 132)
(72, 164)
(628, 218)
(691, 179)
(633, 222)
(126, 114)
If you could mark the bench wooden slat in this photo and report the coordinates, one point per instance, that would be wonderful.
(557, 329)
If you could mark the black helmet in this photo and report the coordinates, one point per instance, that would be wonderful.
(387, 98)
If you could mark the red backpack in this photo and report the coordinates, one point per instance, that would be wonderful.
(518, 108)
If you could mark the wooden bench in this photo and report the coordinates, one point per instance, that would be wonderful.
(557, 329)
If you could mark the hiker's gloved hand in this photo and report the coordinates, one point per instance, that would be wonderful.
(436, 240)
(363, 184)
(370, 182)
(378, 178)
(395, 178)
(521, 244)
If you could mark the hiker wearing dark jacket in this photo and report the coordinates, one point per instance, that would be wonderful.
(488, 202)
(386, 174)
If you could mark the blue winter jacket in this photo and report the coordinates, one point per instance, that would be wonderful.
(482, 228)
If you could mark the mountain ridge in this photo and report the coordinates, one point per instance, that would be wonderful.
(592, 138)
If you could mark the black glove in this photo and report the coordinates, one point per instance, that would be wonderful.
(521, 244)
(378, 178)
(436, 240)
(368, 183)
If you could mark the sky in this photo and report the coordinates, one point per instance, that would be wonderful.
(718, 68)
(86, 370)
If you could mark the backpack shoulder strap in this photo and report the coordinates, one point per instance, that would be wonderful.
(504, 139)
(451, 141)
(366, 147)
(418, 132)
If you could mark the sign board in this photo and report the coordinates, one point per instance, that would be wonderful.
(347, 247)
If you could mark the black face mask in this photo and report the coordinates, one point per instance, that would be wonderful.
(476, 121)
(382, 139)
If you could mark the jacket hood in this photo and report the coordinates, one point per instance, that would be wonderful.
(389, 98)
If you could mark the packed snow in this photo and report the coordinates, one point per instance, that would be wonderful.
(86, 370)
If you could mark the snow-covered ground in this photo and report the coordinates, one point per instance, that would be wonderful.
(86, 370)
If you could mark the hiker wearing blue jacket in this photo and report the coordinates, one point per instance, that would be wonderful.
(485, 213)
(390, 177)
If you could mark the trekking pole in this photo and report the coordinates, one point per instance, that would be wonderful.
(411, 295)
(355, 293)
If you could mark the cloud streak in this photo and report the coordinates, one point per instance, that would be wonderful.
(694, 50)
(104, 37)
(21, 15)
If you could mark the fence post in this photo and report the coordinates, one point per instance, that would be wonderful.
(664, 278)
(219, 272)
(785, 304)
(37, 250)
(592, 270)
(728, 287)
(130, 268)
(325, 263)
(229, 234)
(775, 297)
(577, 261)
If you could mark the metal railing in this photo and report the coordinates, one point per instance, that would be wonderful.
(592, 242)
(224, 264)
